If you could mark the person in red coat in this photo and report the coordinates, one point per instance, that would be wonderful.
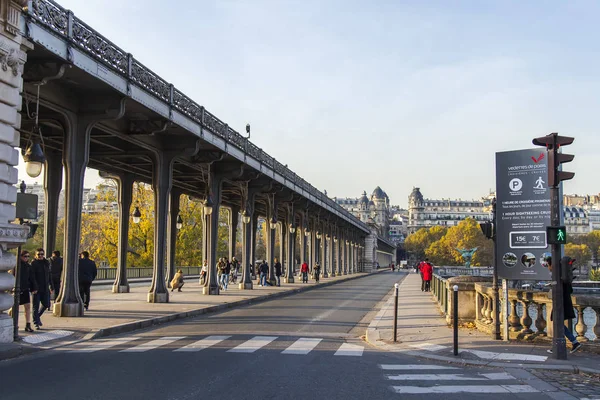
(304, 270)
(427, 271)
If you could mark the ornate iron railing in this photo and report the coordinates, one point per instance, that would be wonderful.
(63, 23)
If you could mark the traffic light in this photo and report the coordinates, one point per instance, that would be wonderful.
(487, 229)
(556, 235)
(566, 270)
(553, 142)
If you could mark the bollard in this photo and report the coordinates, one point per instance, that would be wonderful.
(395, 312)
(455, 308)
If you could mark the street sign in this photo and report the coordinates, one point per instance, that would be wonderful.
(522, 215)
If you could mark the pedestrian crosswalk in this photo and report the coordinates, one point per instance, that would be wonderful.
(227, 343)
(425, 379)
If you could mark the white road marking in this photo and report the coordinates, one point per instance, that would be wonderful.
(490, 355)
(429, 346)
(302, 346)
(253, 344)
(348, 349)
(153, 344)
(203, 344)
(465, 389)
(411, 367)
(101, 345)
(450, 377)
(46, 336)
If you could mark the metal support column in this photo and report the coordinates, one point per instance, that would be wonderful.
(52, 185)
(172, 234)
(125, 188)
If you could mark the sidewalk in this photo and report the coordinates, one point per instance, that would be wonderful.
(423, 332)
(115, 313)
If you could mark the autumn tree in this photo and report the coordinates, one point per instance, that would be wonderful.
(465, 235)
(580, 252)
(419, 242)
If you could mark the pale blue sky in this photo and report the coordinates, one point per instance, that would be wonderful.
(355, 94)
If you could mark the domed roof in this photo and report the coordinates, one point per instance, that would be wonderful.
(415, 196)
(378, 193)
(364, 199)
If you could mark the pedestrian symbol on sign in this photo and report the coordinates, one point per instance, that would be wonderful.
(539, 184)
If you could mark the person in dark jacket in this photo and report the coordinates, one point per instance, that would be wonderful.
(569, 312)
(40, 268)
(317, 272)
(27, 285)
(278, 272)
(87, 274)
(264, 272)
(56, 267)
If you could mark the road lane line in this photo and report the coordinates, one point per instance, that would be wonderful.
(348, 349)
(411, 367)
(428, 346)
(302, 346)
(203, 344)
(101, 345)
(253, 344)
(465, 389)
(153, 344)
(500, 376)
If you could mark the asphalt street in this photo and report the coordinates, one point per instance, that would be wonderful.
(302, 346)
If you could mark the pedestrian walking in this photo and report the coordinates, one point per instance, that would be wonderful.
(317, 272)
(56, 267)
(177, 282)
(27, 286)
(569, 312)
(226, 269)
(420, 267)
(278, 272)
(40, 268)
(427, 274)
(204, 272)
(87, 274)
(264, 271)
(235, 266)
(304, 271)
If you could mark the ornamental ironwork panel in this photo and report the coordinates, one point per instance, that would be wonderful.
(150, 81)
(187, 106)
(254, 151)
(279, 167)
(97, 45)
(267, 160)
(51, 14)
(236, 139)
(214, 124)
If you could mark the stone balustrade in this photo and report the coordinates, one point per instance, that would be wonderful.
(528, 310)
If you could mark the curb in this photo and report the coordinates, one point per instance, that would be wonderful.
(372, 337)
(146, 323)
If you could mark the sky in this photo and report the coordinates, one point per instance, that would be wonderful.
(352, 94)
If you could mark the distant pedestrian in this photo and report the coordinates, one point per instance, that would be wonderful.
(569, 312)
(427, 274)
(56, 267)
(235, 266)
(304, 271)
(27, 285)
(40, 268)
(278, 272)
(177, 282)
(393, 267)
(264, 271)
(420, 267)
(204, 272)
(87, 274)
(317, 272)
(225, 270)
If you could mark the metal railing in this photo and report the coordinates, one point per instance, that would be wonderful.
(146, 272)
(66, 25)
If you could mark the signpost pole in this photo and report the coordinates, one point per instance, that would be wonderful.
(559, 345)
(496, 306)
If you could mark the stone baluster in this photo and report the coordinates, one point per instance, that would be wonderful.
(580, 328)
(514, 322)
(540, 322)
(526, 320)
(597, 326)
(488, 309)
(483, 308)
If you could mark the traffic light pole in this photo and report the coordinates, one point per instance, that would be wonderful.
(496, 309)
(559, 345)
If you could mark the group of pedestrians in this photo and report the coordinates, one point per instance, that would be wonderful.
(425, 268)
(40, 279)
(305, 270)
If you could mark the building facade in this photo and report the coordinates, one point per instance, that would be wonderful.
(426, 213)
